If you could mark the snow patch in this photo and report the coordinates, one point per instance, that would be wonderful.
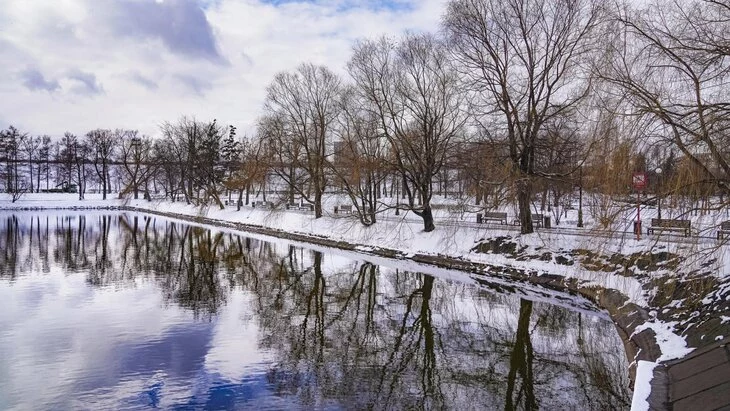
(642, 386)
(671, 345)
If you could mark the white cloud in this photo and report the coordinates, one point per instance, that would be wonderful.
(75, 65)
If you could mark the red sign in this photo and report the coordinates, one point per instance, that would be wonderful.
(639, 180)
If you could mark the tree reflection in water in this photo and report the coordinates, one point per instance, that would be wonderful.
(345, 333)
(520, 363)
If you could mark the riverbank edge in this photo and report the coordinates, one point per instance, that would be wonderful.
(626, 316)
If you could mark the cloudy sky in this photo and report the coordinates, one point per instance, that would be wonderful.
(76, 65)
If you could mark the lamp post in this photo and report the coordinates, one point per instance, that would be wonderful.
(658, 194)
(639, 182)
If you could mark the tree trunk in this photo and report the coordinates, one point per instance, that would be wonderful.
(240, 199)
(217, 200)
(30, 164)
(38, 178)
(291, 186)
(427, 217)
(103, 180)
(523, 200)
(189, 194)
(317, 202)
(405, 186)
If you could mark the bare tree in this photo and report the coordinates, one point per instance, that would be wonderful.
(670, 64)
(301, 108)
(359, 163)
(65, 159)
(136, 156)
(250, 168)
(30, 146)
(195, 147)
(560, 154)
(524, 59)
(11, 143)
(80, 155)
(414, 92)
(102, 145)
(210, 170)
(72, 159)
(43, 161)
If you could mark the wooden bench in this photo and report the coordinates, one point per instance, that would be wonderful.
(537, 220)
(300, 207)
(724, 229)
(263, 204)
(344, 209)
(483, 218)
(663, 224)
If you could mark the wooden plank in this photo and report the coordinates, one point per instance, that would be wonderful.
(664, 223)
(698, 364)
(711, 399)
(702, 381)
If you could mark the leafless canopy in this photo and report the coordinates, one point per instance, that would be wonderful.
(670, 63)
(414, 91)
(301, 108)
(524, 59)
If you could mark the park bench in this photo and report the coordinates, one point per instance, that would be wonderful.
(537, 220)
(483, 218)
(344, 209)
(663, 224)
(724, 229)
(300, 207)
(263, 204)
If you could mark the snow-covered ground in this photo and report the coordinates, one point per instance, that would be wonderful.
(557, 251)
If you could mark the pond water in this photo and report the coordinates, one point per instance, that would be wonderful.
(125, 311)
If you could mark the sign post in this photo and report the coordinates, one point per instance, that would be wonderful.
(639, 182)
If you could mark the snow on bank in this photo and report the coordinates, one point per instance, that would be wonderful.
(408, 238)
(405, 234)
(642, 385)
(671, 345)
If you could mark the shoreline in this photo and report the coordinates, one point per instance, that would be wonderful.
(641, 342)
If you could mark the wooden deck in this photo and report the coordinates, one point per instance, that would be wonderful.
(700, 381)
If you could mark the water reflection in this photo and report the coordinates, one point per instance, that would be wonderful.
(130, 311)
